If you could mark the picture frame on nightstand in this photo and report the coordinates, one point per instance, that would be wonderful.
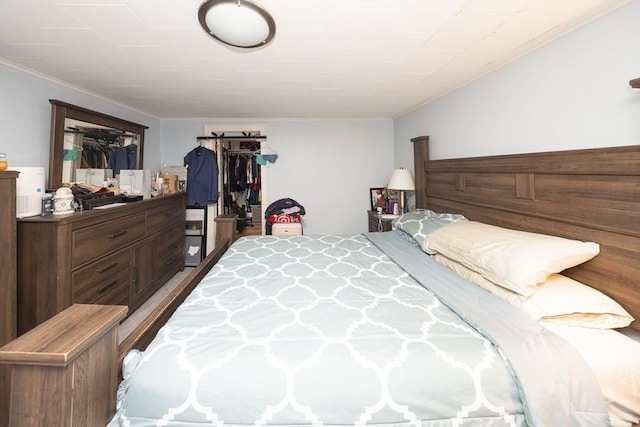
(378, 198)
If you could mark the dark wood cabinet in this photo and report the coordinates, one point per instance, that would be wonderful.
(117, 255)
(8, 316)
(143, 271)
(170, 250)
(379, 222)
(8, 258)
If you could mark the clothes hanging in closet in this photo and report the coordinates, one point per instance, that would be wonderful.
(238, 173)
(254, 196)
(123, 158)
(244, 177)
(94, 156)
(202, 176)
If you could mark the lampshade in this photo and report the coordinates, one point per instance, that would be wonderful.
(401, 179)
(237, 23)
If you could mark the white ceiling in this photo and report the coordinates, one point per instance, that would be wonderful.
(329, 58)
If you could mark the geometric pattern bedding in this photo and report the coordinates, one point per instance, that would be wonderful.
(296, 331)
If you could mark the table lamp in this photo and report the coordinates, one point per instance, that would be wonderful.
(401, 180)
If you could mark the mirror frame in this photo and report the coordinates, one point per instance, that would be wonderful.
(60, 111)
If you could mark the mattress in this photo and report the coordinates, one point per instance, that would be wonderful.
(348, 330)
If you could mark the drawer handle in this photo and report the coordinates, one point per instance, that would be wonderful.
(103, 269)
(107, 286)
(170, 260)
(118, 234)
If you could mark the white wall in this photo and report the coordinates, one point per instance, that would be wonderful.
(572, 93)
(328, 167)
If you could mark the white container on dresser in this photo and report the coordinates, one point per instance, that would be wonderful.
(118, 255)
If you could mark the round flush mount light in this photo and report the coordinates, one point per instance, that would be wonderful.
(237, 23)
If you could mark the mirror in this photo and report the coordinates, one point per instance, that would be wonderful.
(77, 132)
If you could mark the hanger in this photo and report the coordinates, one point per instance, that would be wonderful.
(199, 149)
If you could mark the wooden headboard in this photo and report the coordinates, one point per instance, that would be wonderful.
(589, 195)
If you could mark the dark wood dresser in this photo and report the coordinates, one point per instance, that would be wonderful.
(118, 255)
(8, 324)
(8, 258)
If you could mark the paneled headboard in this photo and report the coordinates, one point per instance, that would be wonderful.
(590, 195)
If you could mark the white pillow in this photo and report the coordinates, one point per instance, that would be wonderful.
(516, 260)
(478, 279)
(558, 299)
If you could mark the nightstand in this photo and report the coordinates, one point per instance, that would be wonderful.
(379, 222)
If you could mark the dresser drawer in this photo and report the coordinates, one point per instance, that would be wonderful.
(92, 242)
(170, 249)
(379, 222)
(103, 282)
(170, 238)
(286, 229)
(373, 223)
(163, 216)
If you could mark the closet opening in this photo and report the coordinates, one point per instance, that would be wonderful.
(241, 179)
(241, 189)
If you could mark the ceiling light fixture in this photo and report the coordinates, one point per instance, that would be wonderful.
(237, 23)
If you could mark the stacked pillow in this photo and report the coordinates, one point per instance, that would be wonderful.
(419, 224)
(522, 267)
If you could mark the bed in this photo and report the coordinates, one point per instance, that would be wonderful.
(341, 329)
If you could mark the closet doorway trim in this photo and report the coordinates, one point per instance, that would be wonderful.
(237, 129)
